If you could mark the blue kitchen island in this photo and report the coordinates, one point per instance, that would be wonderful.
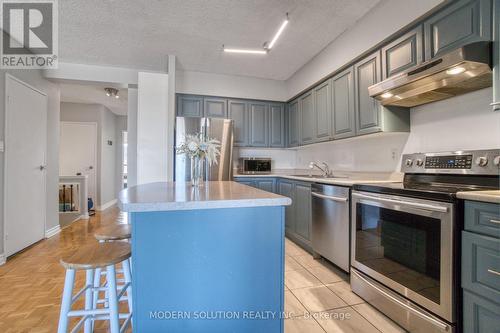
(208, 259)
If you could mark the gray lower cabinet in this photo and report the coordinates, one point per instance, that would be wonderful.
(481, 267)
(307, 126)
(366, 73)
(343, 110)
(258, 124)
(238, 112)
(214, 107)
(189, 105)
(298, 215)
(496, 55)
(266, 184)
(277, 125)
(463, 22)
(322, 112)
(403, 53)
(294, 123)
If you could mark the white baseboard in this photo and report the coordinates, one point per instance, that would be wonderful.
(2, 259)
(107, 205)
(52, 231)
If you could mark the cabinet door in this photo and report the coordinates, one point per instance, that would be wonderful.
(307, 118)
(496, 56)
(322, 112)
(367, 73)
(266, 185)
(479, 314)
(189, 106)
(463, 22)
(238, 113)
(286, 189)
(215, 107)
(259, 124)
(343, 115)
(293, 123)
(277, 125)
(303, 210)
(403, 53)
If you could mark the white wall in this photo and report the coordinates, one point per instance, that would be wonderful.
(35, 78)
(152, 126)
(121, 126)
(384, 20)
(132, 137)
(230, 86)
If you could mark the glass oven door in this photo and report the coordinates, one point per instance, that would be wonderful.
(406, 244)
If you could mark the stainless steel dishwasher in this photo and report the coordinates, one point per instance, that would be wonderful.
(330, 223)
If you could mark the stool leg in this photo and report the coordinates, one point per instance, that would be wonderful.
(128, 278)
(89, 299)
(114, 322)
(66, 300)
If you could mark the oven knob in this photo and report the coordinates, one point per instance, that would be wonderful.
(409, 162)
(482, 161)
(496, 161)
(420, 162)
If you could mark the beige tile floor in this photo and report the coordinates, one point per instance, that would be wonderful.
(318, 299)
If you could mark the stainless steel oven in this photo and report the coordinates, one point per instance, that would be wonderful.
(406, 244)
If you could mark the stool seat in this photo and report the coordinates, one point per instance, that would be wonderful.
(96, 255)
(113, 232)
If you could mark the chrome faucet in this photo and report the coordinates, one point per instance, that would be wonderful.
(325, 169)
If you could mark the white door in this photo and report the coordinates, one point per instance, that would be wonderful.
(78, 152)
(25, 158)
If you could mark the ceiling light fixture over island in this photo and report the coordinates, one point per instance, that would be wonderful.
(214, 254)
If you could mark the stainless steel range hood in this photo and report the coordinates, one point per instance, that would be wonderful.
(458, 72)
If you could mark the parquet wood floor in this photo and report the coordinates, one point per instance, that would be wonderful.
(31, 282)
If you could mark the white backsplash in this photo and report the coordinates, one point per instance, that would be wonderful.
(462, 122)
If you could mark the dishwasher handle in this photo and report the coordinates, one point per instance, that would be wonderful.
(329, 197)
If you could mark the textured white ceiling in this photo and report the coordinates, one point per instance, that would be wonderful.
(94, 94)
(140, 33)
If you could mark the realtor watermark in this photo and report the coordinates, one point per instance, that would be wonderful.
(244, 315)
(29, 34)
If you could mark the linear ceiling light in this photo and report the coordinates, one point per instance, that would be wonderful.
(278, 33)
(247, 51)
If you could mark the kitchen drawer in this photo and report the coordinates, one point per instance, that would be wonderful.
(480, 315)
(481, 265)
(483, 218)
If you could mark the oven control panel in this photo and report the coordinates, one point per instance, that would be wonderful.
(480, 162)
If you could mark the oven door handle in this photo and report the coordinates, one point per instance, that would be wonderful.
(439, 324)
(418, 205)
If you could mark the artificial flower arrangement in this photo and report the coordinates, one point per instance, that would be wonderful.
(199, 149)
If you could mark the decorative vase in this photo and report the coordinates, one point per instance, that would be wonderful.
(197, 171)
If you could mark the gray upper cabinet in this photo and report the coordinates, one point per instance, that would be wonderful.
(294, 123)
(496, 56)
(367, 72)
(238, 113)
(463, 22)
(189, 106)
(322, 112)
(277, 125)
(259, 124)
(403, 53)
(343, 115)
(307, 128)
(215, 107)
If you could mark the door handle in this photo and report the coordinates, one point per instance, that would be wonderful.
(91, 167)
(329, 197)
(492, 271)
(495, 221)
(42, 167)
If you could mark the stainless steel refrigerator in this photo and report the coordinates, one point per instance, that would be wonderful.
(214, 128)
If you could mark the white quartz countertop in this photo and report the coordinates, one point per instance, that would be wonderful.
(169, 196)
(343, 178)
(484, 196)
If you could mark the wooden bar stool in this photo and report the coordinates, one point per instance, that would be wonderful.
(89, 258)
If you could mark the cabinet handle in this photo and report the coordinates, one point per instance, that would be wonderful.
(493, 272)
(495, 221)
(495, 104)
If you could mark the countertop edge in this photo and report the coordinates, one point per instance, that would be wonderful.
(478, 196)
(332, 181)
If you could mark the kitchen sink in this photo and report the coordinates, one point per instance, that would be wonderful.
(319, 176)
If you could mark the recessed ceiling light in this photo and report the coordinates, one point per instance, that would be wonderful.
(455, 70)
(278, 33)
(386, 95)
(112, 92)
(247, 51)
